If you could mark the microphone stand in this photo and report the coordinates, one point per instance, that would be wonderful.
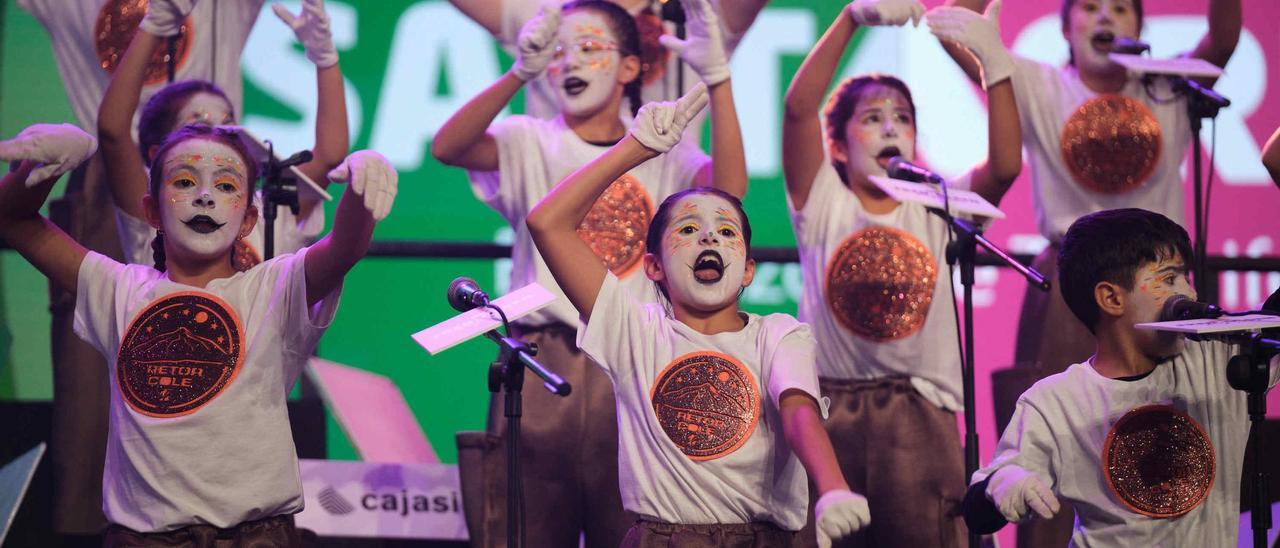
(963, 250)
(278, 190)
(1250, 372)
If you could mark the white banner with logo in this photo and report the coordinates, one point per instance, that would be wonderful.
(389, 500)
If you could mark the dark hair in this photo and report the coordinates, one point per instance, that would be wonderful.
(218, 134)
(624, 26)
(1065, 15)
(843, 101)
(1110, 246)
(657, 225)
(160, 113)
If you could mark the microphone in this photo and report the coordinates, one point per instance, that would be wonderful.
(1131, 46)
(900, 168)
(1181, 307)
(465, 294)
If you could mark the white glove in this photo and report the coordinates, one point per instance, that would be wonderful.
(704, 47)
(164, 17)
(59, 148)
(660, 125)
(886, 12)
(536, 44)
(312, 29)
(372, 177)
(980, 34)
(1017, 492)
(838, 514)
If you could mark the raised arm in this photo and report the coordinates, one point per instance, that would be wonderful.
(486, 13)
(958, 54)
(1225, 21)
(370, 193)
(740, 15)
(311, 27)
(979, 38)
(42, 153)
(803, 144)
(1271, 157)
(463, 140)
(553, 223)
(126, 175)
(703, 50)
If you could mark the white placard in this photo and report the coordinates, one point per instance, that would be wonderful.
(1190, 67)
(466, 325)
(962, 201)
(306, 187)
(1216, 325)
(366, 499)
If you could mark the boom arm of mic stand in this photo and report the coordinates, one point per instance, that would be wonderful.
(553, 382)
(1033, 277)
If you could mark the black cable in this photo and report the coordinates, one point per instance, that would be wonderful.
(951, 274)
(506, 327)
(1208, 192)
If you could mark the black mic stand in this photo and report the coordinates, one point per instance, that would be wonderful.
(1250, 372)
(673, 11)
(278, 190)
(963, 250)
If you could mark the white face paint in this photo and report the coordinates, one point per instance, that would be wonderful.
(584, 71)
(704, 253)
(881, 127)
(1091, 28)
(204, 108)
(203, 198)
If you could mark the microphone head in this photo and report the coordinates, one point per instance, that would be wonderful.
(1182, 307)
(1129, 45)
(461, 291)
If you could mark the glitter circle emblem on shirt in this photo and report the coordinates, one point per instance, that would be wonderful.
(179, 353)
(244, 256)
(617, 224)
(1159, 461)
(117, 22)
(880, 282)
(707, 403)
(1111, 144)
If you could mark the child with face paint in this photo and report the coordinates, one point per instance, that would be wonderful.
(718, 409)
(200, 102)
(1146, 438)
(876, 284)
(589, 49)
(200, 356)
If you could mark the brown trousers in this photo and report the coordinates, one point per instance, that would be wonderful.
(569, 456)
(1050, 339)
(904, 455)
(272, 532)
(652, 534)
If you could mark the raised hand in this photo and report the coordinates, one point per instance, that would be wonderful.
(1018, 492)
(978, 33)
(704, 48)
(312, 29)
(59, 148)
(371, 177)
(536, 44)
(886, 12)
(838, 514)
(660, 125)
(164, 17)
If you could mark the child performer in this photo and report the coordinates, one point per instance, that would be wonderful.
(201, 357)
(704, 457)
(1145, 439)
(876, 286)
(570, 480)
(201, 102)
(1271, 156)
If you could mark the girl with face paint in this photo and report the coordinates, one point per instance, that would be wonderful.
(1068, 111)
(689, 381)
(876, 289)
(200, 102)
(200, 356)
(589, 50)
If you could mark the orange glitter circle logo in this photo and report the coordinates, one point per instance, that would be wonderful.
(880, 283)
(617, 224)
(707, 403)
(1159, 461)
(180, 353)
(117, 22)
(1111, 144)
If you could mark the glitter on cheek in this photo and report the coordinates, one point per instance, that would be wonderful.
(601, 64)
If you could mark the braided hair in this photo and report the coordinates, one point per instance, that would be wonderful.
(624, 27)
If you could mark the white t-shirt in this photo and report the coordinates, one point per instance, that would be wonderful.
(199, 380)
(540, 95)
(291, 234)
(1060, 427)
(890, 272)
(697, 442)
(533, 156)
(220, 31)
(1047, 97)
